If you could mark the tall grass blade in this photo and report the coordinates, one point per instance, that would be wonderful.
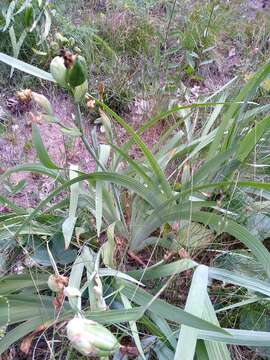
(165, 310)
(27, 68)
(149, 156)
(215, 350)
(40, 149)
(69, 224)
(195, 305)
(133, 328)
(156, 219)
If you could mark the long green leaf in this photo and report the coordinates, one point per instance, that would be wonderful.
(165, 310)
(242, 280)
(47, 26)
(216, 350)
(134, 164)
(40, 149)
(35, 168)
(248, 143)
(18, 210)
(9, 14)
(201, 352)
(163, 270)
(162, 324)
(19, 332)
(133, 327)
(235, 111)
(122, 180)
(23, 307)
(104, 153)
(149, 156)
(112, 317)
(13, 283)
(238, 337)
(197, 296)
(69, 224)
(27, 68)
(155, 220)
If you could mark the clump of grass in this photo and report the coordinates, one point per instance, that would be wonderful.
(116, 44)
(182, 208)
(127, 33)
(133, 204)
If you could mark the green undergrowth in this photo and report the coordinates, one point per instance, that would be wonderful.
(169, 250)
(151, 49)
(170, 258)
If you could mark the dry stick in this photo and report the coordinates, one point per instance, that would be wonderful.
(136, 258)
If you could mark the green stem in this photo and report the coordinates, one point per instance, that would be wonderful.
(92, 152)
(89, 147)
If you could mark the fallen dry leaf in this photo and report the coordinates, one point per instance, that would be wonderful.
(27, 341)
(26, 344)
(58, 300)
(33, 118)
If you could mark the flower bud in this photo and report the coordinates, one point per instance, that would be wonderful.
(54, 46)
(59, 71)
(71, 41)
(77, 50)
(265, 85)
(57, 283)
(61, 39)
(43, 102)
(80, 91)
(77, 74)
(91, 104)
(91, 338)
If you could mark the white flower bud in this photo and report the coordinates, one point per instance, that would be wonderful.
(91, 338)
(59, 71)
(43, 102)
(57, 282)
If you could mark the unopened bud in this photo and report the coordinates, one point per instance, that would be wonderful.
(91, 338)
(80, 91)
(91, 104)
(54, 46)
(44, 103)
(59, 71)
(77, 50)
(77, 73)
(57, 283)
(62, 39)
(74, 298)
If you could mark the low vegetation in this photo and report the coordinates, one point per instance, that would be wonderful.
(159, 249)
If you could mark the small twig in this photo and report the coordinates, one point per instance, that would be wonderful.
(136, 258)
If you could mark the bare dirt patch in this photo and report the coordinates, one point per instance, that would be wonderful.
(16, 148)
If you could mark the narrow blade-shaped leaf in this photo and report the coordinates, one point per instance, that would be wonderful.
(27, 68)
(40, 149)
(69, 223)
(195, 305)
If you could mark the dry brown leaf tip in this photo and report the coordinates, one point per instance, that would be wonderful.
(58, 300)
(90, 102)
(27, 341)
(24, 96)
